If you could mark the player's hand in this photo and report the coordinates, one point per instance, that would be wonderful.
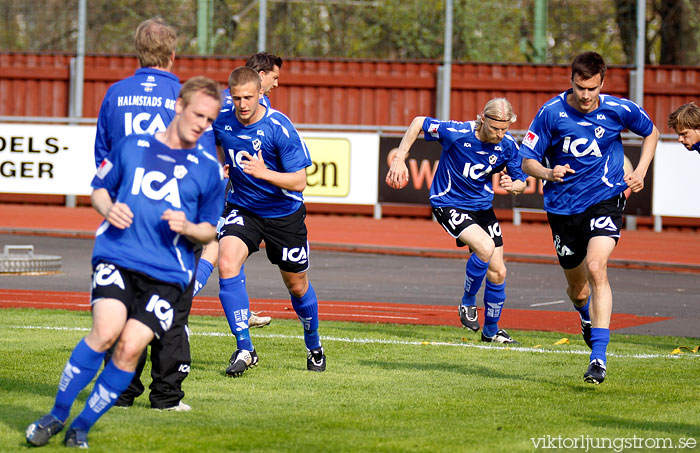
(253, 165)
(634, 182)
(177, 221)
(397, 176)
(226, 171)
(120, 215)
(559, 171)
(505, 181)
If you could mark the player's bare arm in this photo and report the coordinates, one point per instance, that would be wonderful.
(397, 177)
(537, 170)
(202, 232)
(255, 166)
(117, 214)
(635, 180)
(513, 187)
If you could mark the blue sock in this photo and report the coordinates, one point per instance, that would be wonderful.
(306, 308)
(494, 297)
(599, 340)
(204, 270)
(108, 386)
(475, 272)
(235, 302)
(82, 366)
(583, 311)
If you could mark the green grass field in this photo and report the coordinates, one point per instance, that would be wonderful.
(387, 388)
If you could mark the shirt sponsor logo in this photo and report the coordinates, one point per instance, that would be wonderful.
(104, 168)
(530, 139)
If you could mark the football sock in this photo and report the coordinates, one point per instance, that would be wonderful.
(306, 308)
(475, 272)
(599, 341)
(494, 297)
(108, 386)
(204, 270)
(81, 367)
(234, 300)
(583, 311)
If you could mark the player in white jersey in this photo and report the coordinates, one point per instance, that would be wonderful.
(266, 161)
(461, 195)
(159, 196)
(574, 145)
(685, 120)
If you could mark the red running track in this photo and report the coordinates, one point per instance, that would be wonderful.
(369, 312)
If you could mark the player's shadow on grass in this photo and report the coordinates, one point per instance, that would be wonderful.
(640, 426)
(467, 369)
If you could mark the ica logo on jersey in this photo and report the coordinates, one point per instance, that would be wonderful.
(476, 171)
(576, 147)
(143, 182)
(142, 123)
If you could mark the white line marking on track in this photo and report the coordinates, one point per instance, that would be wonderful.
(401, 342)
(554, 302)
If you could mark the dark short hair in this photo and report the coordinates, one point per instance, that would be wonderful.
(587, 65)
(199, 84)
(263, 61)
(155, 43)
(687, 116)
(242, 76)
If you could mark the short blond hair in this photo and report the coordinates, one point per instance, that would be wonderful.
(155, 43)
(201, 84)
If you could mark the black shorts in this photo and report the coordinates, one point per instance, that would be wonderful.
(286, 238)
(150, 301)
(571, 233)
(456, 220)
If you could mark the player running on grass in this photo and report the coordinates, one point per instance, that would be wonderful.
(268, 66)
(574, 145)
(461, 196)
(267, 162)
(159, 195)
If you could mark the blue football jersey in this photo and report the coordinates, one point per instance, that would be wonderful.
(141, 104)
(150, 177)
(283, 151)
(463, 178)
(590, 143)
(696, 147)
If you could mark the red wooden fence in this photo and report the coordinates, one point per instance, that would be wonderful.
(343, 92)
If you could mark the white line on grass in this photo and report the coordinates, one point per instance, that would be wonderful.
(401, 342)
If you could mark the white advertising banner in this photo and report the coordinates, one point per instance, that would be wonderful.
(44, 159)
(344, 169)
(676, 181)
(58, 160)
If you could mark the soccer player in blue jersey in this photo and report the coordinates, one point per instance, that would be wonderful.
(159, 196)
(268, 66)
(266, 161)
(145, 103)
(685, 120)
(574, 145)
(461, 196)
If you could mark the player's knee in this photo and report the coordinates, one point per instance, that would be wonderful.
(484, 249)
(101, 339)
(126, 355)
(497, 276)
(228, 266)
(597, 271)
